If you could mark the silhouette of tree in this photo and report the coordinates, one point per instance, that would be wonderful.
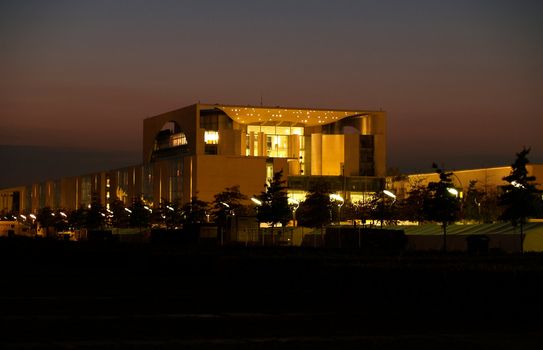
(274, 208)
(350, 211)
(76, 218)
(139, 217)
(46, 218)
(227, 204)
(120, 215)
(519, 196)
(314, 211)
(231, 196)
(95, 217)
(490, 208)
(194, 212)
(168, 214)
(471, 203)
(442, 206)
(412, 207)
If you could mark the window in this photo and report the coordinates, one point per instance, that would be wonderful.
(178, 140)
(211, 137)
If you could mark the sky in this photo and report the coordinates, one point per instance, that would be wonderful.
(461, 81)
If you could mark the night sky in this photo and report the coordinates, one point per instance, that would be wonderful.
(462, 81)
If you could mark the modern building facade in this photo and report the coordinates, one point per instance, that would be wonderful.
(488, 180)
(199, 150)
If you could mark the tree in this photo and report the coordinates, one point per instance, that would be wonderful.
(139, 216)
(472, 201)
(519, 196)
(314, 211)
(490, 208)
(381, 208)
(412, 207)
(227, 204)
(194, 212)
(274, 208)
(350, 211)
(442, 205)
(46, 218)
(76, 218)
(95, 217)
(120, 214)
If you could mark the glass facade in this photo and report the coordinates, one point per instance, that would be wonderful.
(277, 140)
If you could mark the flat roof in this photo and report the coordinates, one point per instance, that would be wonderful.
(291, 115)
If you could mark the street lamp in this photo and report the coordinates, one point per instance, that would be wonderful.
(258, 203)
(294, 204)
(336, 198)
(339, 201)
(453, 191)
(390, 195)
(226, 212)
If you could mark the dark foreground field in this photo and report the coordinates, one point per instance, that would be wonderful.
(91, 296)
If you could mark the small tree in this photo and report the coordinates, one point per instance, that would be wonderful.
(471, 203)
(95, 217)
(46, 218)
(194, 212)
(76, 218)
(314, 211)
(442, 206)
(412, 207)
(139, 216)
(519, 196)
(120, 215)
(350, 211)
(274, 208)
(227, 204)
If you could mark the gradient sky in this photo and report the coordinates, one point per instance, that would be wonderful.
(462, 81)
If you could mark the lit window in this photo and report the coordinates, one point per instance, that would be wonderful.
(211, 137)
(178, 139)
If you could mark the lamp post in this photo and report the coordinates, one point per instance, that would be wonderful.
(294, 204)
(258, 204)
(336, 198)
(390, 195)
(226, 212)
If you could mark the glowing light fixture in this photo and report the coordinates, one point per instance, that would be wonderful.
(256, 201)
(516, 184)
(390, 194)
(337, 198)
(453, 191)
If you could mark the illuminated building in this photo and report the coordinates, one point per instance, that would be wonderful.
(487, 180)
(201, 149)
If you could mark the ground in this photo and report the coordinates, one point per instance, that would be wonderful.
(111, 296)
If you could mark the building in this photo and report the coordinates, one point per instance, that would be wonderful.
(201, 149)
(488, 180)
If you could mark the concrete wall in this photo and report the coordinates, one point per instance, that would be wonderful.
(188, 120)
(215, 173)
